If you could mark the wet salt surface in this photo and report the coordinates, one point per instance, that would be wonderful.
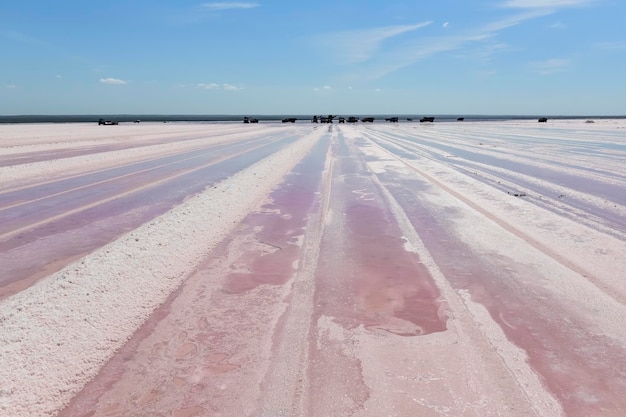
(118, 200)
(365, 278)
(401, 283)
(592, 367)
(218, 317)
(551, 175)
(584, 367)
(604, 215)
(79, 316)
(387, 280)
(66, 141)
(280, 227)
(559, 171)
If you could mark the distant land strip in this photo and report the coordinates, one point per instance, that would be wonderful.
(87, 118)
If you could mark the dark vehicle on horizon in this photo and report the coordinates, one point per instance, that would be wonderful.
(107, 122)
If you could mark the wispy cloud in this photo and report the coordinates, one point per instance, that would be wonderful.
(369, 60)
(492, 28)
(372, 55)
(356, 46)
(324, 88)
(557, 25)
(391, 60)
(23, 38)
(215, 86)
(113, 81)
(485, 51)
(612, 46)
(550, 66)
(9, 86)
(202, 12)
(545, 4)
(229, 5)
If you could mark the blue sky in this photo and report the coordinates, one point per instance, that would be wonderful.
(552, 57)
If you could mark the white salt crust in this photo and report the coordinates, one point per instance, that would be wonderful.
(57, 334)
(482, 372)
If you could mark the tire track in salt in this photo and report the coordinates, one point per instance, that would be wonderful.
(477, 330)
(366, 283)
(598, 205)
(568, 263)
(286, 385)
(574, 375)
(223, 319)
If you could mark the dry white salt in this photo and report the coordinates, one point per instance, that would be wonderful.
(57, 334)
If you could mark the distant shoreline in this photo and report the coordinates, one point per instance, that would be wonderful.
(124, 118)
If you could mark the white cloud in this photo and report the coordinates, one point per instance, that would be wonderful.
(215, 86)
(209, 86)
(10, 86)
(230, 87)
(550, 66)
(114, 81)
(324, 88)
(445, 25)
(229, 5)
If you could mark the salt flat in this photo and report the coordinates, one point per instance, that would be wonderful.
(188, 269)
